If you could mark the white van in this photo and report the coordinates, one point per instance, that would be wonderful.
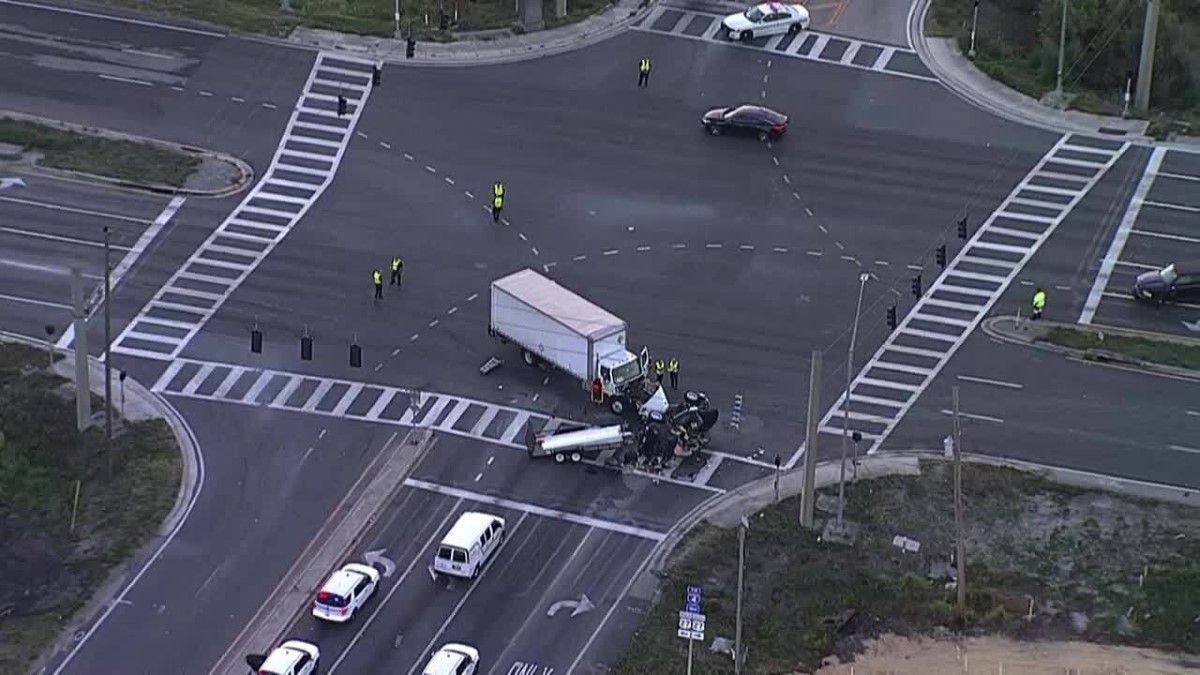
(468, 545)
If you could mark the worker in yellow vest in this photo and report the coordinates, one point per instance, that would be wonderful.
(377, 279)
(673, 370)
(644, 72)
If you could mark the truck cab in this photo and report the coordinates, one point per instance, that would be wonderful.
(618, 372)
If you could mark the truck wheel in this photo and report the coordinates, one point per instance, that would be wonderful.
(529, 357)
(617, 406)
(576, 457)
(559, 458)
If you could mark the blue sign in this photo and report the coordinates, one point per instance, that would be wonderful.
(692, 599)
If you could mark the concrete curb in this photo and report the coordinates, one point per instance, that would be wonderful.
(557, 41)
(245, 171)
(944, 59)
(105, 597)
(993, 326)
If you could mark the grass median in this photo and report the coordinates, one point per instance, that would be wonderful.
(125, 160)
(1047, 562)
(58, 552)
(365, 17)
(1164, 352)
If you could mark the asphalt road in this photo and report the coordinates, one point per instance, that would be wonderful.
(224, 93)
(698, 242)
(1040, 406)
(265, 495)
(545, 559)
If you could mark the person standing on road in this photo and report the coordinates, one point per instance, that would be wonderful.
(644, 73)
(659, 368)
(397, 271)
(377, 279)
(673, 369)
(497, 206)
(1039, 303)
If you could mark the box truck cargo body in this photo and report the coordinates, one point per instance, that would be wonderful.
(554, 325)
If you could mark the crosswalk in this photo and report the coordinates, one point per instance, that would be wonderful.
(808, 45)
(912, 356)
(361, 401)
(304, 164)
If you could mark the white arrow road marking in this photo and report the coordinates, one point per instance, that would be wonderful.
(1194, 326)
(583, 604)
(6, 183)
(377, 559)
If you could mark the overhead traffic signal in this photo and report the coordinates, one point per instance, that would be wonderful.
(891, 317)
(410, 48)
(962, 228)
(376, 76)
(341, 111)
(916, 286)
(940, 255)
(306, 348)
(355, 356)
(255, 341)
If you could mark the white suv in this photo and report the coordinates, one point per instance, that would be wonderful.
(453, 659)
(346, 590)
(769, 18)
(293, 657)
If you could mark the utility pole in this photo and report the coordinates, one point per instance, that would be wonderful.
(83, 389)
(738, 656)
(960, 545)
(1062, 49)
(108, 409)
(1146, 64)
(808, 495)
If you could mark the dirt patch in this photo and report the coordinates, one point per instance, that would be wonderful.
(1045, 562)
(894, 655)
(57, 551)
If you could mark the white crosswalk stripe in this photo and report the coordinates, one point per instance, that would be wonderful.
(351, 400)
(807, 45)
(168, 322)
(885, 389)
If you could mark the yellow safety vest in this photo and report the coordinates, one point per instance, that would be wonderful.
(645, 66)
(396, 264)
(377, 277)
(1039, 300)
(498, 202)
(658, 367)
(673, 366)
(498, 189)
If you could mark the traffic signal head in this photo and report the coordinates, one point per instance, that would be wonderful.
(355, 356)
(256, 341)
(891, 317)
(916, 286)
(376, 76)
(341, 105)
(940, 255)
(306, 348)
(410, 48)
(962, 228)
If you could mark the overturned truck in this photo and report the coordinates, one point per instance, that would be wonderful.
(662, 434)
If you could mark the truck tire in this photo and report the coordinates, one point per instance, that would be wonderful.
(529, 357)
(560, 457)
(617, 405)
(576, 457)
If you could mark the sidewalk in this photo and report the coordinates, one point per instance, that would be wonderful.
(485, 47)
(943, 57)
(728, 509)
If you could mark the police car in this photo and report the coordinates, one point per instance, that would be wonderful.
(293, 657)
(769, 18)
(453, 659)
(344, 592)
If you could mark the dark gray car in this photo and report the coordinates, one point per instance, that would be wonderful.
(1178, 282)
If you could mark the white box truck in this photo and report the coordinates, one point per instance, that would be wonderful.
(555, 326)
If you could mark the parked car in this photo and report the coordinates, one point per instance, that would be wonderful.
(755, 120)
(769, 18)
(1177, 282)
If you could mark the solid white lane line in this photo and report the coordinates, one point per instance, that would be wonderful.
(60, 238)
(1184, 448)
(126, 80)
(981, 418)
(1164, 235)
(31, 301)
(994, 383)
(72, 209)
(107, 17)
(1174, 207)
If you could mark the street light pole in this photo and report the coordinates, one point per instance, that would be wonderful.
(396, 18)
(862, 284)
(738, 656)
(974, 26)
(1062, 49)
(108, 409)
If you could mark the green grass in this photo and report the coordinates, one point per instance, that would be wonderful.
(124, 494)
(365, 17)
(1156, 351)
(806, 600)
(119, 159)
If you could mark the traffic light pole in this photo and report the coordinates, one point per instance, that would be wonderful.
(108, 408)
(1146, 64)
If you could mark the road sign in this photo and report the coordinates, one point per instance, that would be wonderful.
(692, 599)
(691, 626)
